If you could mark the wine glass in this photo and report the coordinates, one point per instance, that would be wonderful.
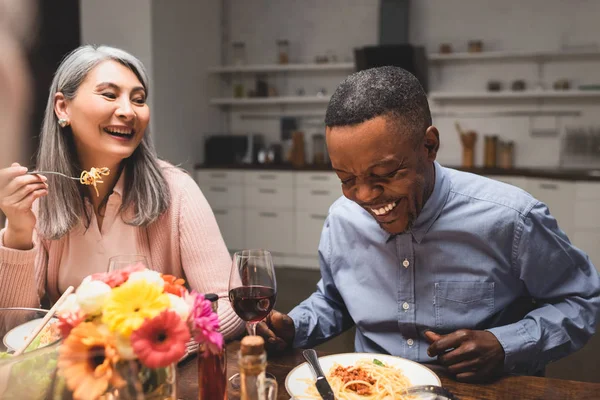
(252, 291)
(120, 262)
(252, 286)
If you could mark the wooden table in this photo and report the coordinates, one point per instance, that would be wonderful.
(507, 388)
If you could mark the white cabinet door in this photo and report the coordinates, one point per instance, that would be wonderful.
(219, 176)
(309, 225)
(222, 195)
(271, 230)
(269, 197)
(559, 196)
(590, 243)
(231, 224)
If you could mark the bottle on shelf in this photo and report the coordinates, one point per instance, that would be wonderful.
(212, 370)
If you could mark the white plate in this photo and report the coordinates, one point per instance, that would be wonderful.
(15, 338)
(416, 373)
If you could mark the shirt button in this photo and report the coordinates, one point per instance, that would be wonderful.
(410, 342)
(405, 263)
(405, 306)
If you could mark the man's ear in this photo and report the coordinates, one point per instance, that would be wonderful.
(432, 142)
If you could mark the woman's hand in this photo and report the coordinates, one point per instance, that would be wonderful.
(18, 191)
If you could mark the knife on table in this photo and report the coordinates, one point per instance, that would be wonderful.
(322, 385)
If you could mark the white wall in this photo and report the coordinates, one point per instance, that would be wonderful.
(185, 42)
(509, 25)
(314, 27)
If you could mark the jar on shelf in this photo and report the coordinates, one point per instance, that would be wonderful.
(283, 48)
(238, 56)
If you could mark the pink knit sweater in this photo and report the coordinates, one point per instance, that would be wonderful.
(185, 241)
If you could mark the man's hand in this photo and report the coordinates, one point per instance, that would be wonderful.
(471, 355)
(278, 331)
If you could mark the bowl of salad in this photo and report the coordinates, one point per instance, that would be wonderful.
(29, 375)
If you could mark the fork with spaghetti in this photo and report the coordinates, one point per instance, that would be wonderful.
(91, 177)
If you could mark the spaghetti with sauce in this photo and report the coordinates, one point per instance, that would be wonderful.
(366, 380)
(93, 177)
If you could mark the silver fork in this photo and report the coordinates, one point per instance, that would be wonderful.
(52, 173)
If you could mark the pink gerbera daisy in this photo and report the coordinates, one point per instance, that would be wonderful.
(160, 341)
(205, 325)
(69, 320)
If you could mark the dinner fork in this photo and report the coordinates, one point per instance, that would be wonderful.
(52, 173)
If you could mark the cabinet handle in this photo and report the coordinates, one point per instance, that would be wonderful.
(220, 212)
(218, 189)
(320, 192)
(318, 216)
(319, 178)
(268, 214)
(267, 177)
(269, 191)
(218, 175)
(549, 186)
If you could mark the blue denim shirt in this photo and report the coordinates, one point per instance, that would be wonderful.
(481, 255)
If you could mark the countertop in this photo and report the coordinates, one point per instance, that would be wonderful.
(543, 173)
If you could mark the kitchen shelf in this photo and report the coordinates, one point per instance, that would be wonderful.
(514, 55)
(282, 100)
(526, 95)
(276, 115)
(345, 67)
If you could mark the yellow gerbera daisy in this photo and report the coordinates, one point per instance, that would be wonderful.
(131, 303)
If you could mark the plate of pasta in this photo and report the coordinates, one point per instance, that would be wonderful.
(361, 376)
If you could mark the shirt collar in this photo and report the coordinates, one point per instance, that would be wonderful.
(433, 207)
(120, 185)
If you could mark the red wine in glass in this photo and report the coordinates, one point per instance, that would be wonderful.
(252, 303)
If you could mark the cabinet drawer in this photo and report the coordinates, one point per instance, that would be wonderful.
(312, 179)
(220, 176)
(223, 195)
(231, 224)
(308, 232)
(270, 178)
(316, 199)
(269, 197)
(587, 190)
(587, 214)
(270, 230)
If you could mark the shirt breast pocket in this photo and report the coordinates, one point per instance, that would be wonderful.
(463, 305)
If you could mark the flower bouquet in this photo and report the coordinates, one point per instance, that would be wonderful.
(124, 332)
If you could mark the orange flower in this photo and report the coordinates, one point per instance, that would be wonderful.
(173, 285)
(86, 360)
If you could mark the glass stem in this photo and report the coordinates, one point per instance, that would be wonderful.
(252, 328)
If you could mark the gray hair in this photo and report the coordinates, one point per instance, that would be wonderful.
(146, 189)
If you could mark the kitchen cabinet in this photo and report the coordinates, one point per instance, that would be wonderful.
(223, 190)
(284, 211)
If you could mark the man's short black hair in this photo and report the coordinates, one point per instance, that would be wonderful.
(384, 91)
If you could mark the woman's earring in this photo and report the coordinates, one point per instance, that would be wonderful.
(63, 122)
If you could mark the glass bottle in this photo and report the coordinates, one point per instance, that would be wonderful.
(252, 361)
(283, 48)
(212, 369)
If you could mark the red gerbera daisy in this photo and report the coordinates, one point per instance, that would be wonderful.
(160, 341)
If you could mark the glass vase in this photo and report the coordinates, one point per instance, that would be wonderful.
(140, 383)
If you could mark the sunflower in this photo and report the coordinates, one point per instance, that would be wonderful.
(86, 360)
(160, 341)
(131, 303)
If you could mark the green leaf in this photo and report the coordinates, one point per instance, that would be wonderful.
(377, 362)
